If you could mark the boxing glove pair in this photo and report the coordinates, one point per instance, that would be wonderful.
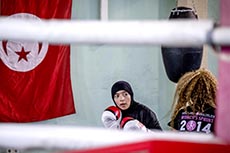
(112, 118)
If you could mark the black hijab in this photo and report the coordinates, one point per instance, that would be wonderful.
(123, 85)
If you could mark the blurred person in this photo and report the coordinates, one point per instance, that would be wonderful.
(195, 102)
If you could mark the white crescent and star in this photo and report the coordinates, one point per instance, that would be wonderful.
(22, 56)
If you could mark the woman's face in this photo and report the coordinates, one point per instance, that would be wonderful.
(122, 99)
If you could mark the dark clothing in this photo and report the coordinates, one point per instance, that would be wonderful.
(142, 114)
(195, 122)
(136, 110)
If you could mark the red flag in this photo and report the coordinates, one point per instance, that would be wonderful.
(35, 77)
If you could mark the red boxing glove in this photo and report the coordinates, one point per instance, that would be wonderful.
(131, 124)
(111, 117)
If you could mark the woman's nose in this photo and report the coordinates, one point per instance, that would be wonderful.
(122, 97)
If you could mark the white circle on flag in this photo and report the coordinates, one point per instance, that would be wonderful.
(22, 56)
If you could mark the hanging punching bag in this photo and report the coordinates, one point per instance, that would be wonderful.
(178, 61)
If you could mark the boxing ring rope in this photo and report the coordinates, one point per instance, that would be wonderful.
(28, 136)
(221, 36)
(160, 32)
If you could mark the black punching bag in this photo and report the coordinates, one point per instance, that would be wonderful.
(178, 61)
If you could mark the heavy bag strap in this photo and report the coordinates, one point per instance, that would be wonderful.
(182, 12)
(178, 61)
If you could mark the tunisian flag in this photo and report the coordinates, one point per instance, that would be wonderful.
(35, 79)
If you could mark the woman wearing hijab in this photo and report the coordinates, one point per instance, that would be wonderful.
(131, 110)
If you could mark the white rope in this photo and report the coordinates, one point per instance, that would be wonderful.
(28, 136)
(161, 32)
(221, 36)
